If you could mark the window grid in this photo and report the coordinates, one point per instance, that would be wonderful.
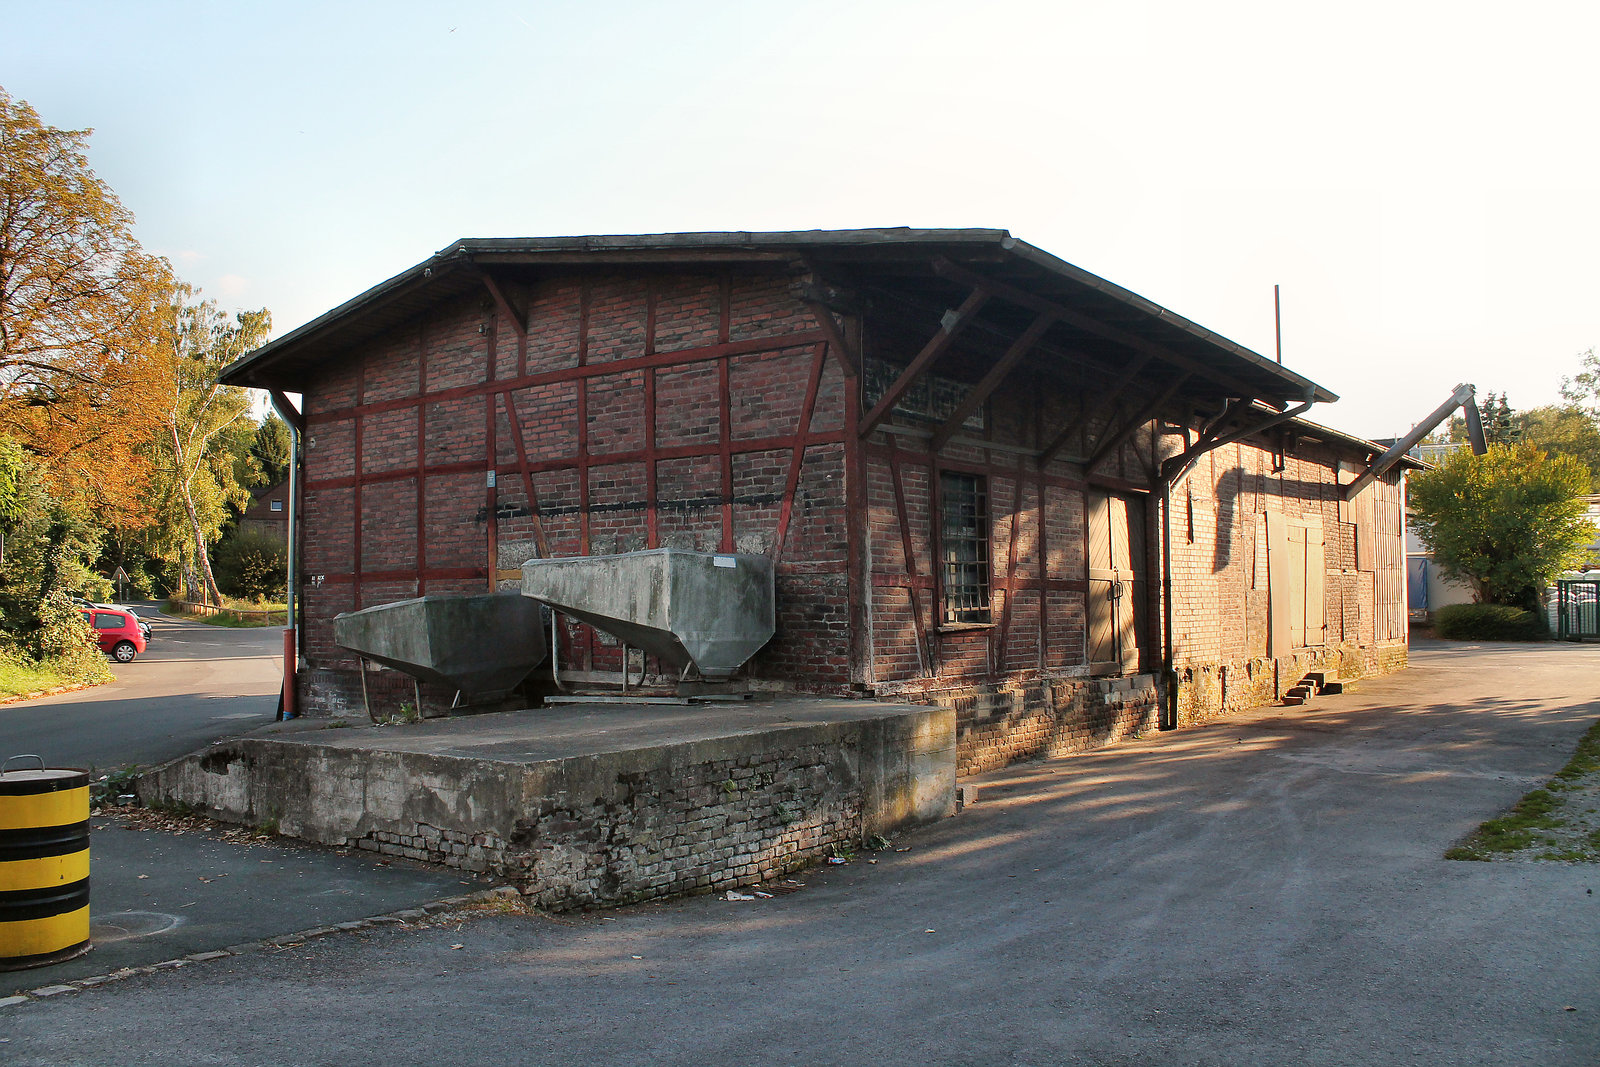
(964, 540)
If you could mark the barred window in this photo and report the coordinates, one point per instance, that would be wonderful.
(964, 540)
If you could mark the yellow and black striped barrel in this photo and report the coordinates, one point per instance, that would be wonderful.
(44, 865)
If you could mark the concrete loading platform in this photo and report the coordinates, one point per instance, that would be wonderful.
(592, 804)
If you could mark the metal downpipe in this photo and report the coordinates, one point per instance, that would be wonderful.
(1169, 679)
(291, 643)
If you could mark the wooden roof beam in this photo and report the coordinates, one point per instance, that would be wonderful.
(1104, 448)
(946, 269)
(518, 323)
(954, 322)
(849, 362)
(1088, 414)
(991, 381)
(990, 331)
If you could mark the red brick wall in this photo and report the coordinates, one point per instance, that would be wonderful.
(688, 442)
(1220, 594)
(1020, 685)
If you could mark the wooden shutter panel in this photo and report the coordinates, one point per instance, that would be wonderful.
(1314, 620)
(1278, 584)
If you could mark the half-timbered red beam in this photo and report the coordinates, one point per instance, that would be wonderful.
(515, 422)
(743, 446)
(936, 347)
(584, 370)
(913, 580)
(797, 457)
(652, 529)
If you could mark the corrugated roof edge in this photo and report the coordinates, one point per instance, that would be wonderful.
(1317, 429)
(463, 249)
(1060, 266)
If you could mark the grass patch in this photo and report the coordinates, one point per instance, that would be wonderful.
(1550, 820)
(235, 613)
(21, 677)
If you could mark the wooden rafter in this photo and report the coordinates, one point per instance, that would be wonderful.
(506, 307)
(952, 326)
(1088, 413)
(991, 381)
(849, 362)
(987, 338)
(1106, 446)
(1013, 295)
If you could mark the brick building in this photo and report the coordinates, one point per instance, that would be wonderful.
(268, 512)
(986, 477)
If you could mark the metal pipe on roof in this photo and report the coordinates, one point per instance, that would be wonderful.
(1461, 398)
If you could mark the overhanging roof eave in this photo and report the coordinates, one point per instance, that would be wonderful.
(1299, 385)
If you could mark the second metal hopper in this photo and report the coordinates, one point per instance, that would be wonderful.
(712, 611)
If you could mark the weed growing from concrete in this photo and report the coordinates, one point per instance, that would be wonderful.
(1556, 822)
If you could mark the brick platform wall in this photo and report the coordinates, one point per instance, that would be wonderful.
(1002, 722)
(705, 827)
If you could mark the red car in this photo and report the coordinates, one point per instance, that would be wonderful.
(118, 631)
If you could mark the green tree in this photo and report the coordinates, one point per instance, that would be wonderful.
(198, 480)
(1583, 387)
(1566, 430)
(1508, 522)
(1500, 426)
(47, 553)
(271, 449)
(252, 564)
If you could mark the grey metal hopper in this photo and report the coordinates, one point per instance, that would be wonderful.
(480, 644)
(713, 611)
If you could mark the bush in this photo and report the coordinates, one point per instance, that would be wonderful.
(252, 564)
(1489, 622)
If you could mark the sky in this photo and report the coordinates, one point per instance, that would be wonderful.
(1419, 178)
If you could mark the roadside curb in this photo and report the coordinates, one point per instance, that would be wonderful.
(57, 691)
(405, 917)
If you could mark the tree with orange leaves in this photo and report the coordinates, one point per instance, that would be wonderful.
(83, 311)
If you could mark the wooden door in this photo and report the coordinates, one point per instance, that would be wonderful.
(1295, 567)
(1118, 600)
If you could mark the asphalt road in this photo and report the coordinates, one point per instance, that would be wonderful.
(1266, 890)
(194, 684)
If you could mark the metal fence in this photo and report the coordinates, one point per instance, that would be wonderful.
(1577, 608)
